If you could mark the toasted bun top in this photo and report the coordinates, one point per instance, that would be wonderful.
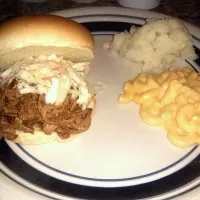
(44, 34)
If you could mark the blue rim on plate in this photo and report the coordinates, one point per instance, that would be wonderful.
(108, 25)
(105, 180)
(147, 190)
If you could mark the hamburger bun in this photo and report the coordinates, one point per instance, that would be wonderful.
(35, 35)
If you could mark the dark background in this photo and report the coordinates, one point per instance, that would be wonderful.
(188, 10)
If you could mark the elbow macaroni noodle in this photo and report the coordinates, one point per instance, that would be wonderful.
(170, 100)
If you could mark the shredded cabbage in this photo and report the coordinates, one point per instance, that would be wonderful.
(52, 76)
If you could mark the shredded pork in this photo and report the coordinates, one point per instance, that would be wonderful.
(23, 112)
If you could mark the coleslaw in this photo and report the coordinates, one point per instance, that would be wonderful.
(52, 76)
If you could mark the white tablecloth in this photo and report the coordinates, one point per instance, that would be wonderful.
(9, 190)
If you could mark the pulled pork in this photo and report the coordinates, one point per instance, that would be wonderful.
(25, 111)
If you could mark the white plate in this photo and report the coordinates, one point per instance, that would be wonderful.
(119, 149)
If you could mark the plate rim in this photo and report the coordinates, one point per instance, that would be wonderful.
(195, 148)
(47, 193)
(121, 182)
(105, 33)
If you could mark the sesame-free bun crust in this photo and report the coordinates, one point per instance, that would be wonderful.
(35, 35)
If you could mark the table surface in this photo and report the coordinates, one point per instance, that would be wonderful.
(188, 10)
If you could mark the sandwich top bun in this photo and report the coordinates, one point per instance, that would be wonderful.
(36, 35)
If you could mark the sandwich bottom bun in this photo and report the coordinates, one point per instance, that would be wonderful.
(38, 137)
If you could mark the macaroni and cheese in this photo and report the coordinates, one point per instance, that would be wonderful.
(170, 100)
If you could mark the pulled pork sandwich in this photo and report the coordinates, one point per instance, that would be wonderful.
(43, 93)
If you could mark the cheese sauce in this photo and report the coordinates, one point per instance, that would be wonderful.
(170, 100)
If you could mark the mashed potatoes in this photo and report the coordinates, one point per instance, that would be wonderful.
(155, 45)
(170, 100)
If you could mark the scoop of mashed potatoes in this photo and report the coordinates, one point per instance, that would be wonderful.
(156, 45)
